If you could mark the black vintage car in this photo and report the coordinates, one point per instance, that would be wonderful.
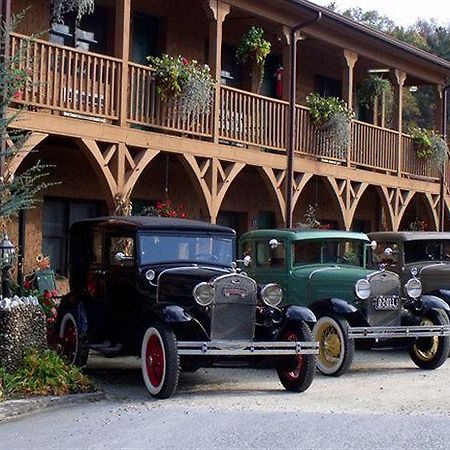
(169, 291)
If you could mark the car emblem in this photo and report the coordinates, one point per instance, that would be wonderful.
(235, 280)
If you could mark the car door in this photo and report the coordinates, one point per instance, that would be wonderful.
(120, 283)
(269, 264)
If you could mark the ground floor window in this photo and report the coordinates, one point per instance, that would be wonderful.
(59, 214)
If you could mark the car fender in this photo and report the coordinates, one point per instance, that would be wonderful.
(69, 303)
(333, 306)
(443, 294)
(427, 303)
(298, 313)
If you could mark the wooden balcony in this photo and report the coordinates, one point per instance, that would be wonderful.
(86, 85)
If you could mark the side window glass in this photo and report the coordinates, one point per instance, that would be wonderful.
(121, 251)
(270, 258)
(96, 255)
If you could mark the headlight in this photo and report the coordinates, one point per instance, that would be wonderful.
(362, 289)
(204, 294)
(413, 288)
(272, 295)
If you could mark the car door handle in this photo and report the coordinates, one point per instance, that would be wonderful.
(99, 271)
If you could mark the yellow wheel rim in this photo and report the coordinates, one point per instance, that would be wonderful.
(330, 345)
(428, 353)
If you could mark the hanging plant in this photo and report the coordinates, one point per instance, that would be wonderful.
(186, 81)
(165, 209)
(372, 87)
(332, 118)
(429, 145)
(81, 7)
(253, 50)
(417, 225)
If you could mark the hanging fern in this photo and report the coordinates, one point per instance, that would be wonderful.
(81, 7)
(372, 87)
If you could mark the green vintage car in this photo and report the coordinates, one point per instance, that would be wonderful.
(328, 272)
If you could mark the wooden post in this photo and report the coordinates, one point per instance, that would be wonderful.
(122, 51)
(286, 59)
(350, 59)
(398, 79)
(217, 11)
(438, 112)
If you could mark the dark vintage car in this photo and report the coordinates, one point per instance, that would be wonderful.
(424, 254)
(328, 272)
(167, 290)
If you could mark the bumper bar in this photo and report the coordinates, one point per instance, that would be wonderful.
(415, 331)
(245, 348)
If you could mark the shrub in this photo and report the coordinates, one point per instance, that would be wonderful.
(44, 373)
(429, 144)
(186, 81)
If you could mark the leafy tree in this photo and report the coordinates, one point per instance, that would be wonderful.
(17, 192)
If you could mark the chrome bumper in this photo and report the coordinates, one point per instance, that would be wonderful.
(415, 331)
(245, 348)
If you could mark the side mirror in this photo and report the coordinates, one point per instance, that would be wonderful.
(373, 245)
(119, 257)
(247, 260)
(274, 243)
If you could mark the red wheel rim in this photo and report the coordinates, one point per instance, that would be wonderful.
(69, 340)
(154, 359)
(298, 364)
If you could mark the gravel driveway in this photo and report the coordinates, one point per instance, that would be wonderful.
(383, 402)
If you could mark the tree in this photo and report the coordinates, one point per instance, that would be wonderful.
(17, 192)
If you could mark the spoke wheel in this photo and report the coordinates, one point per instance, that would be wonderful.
(160, 361)
(68, 338)
(335, 349)
(431, 352)
(296, 374)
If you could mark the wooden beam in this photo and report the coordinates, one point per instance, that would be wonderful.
(32, 140)
(122, 50)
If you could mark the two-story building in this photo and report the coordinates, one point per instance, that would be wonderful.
(93, 112)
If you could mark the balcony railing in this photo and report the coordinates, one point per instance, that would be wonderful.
(74, 82)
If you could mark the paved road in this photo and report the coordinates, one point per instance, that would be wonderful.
(383, 403)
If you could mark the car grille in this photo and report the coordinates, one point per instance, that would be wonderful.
(383, 284)
(234, 307)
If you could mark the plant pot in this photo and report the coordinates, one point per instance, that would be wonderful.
(252, 76)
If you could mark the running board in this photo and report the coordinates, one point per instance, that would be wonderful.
(245, 348)
(415, 331)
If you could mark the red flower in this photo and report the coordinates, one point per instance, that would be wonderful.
(185, 61)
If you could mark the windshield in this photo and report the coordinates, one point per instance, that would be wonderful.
(330, 251)
(174, 248)
(427, 250)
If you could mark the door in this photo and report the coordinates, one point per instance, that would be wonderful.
(120, 284)
(144, 38)
(269, 262)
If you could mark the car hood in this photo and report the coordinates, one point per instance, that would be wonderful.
(175, 284)
(435, 276)
(331, 281)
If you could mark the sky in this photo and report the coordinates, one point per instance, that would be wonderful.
(402, 12)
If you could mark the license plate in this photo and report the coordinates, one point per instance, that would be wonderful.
(387, 303)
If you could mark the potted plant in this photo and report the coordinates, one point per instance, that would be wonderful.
(252, 53)
(81, 7)
(373, 87)
(187, 82)
(165, 209)
(429, 145)
(332, 118)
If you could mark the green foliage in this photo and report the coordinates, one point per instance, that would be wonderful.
(430, 144)
(332, 118)
(186, 81)
(44, 373)
(81, 7)
(372, 87)
(253, 47)
(322, 109)
(16, 192)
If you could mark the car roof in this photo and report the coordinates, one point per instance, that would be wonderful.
(296, 235)
(408, 235)
(153, 223)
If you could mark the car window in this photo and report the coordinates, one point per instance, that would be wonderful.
(427, 250)
(380, 256)
(269, 257)
(121, 251)
(329, 251)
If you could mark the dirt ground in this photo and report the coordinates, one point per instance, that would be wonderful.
(379, 382)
